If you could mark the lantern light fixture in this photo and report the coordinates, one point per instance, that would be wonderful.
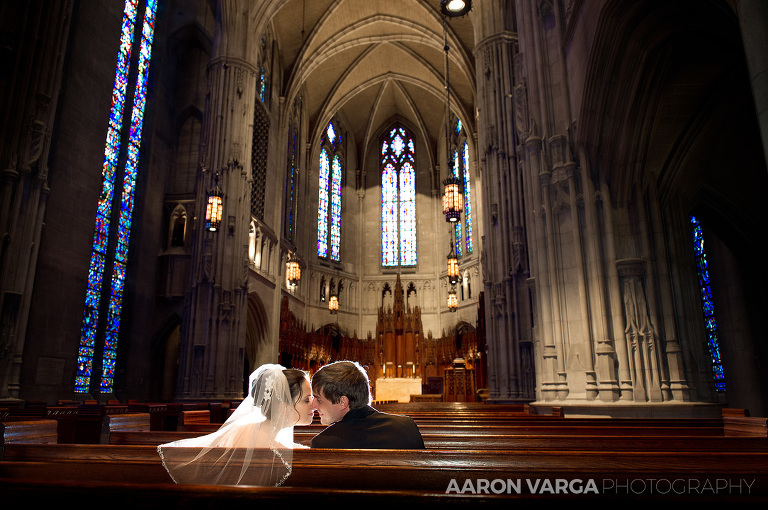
(214, 208)
(453, 267)
(452, 200)
(293, 271)
(333, 304)
(453, 302)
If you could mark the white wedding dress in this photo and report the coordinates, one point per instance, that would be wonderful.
(253, 447)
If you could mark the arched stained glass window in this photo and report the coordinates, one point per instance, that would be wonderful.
(707, 304)
(108, 266)
(329, 195)
(398, 199)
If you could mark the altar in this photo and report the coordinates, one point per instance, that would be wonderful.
(397, 388)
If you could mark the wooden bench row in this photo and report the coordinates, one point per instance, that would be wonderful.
(81, 422)
(419, 470)
(572, 428)
(720, 468)
(48, 431)
(517, 441)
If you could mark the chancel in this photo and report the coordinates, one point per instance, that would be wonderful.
(543, 209)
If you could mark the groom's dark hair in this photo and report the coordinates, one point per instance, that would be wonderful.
(343, 378)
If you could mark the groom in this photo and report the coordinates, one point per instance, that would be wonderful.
(342, 397)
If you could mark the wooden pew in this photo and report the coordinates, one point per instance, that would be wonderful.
(744, 425)
(90, 418)
(158, 413)
(66, 417)
(418, 470)
(513, 442)
(137, 422)
(32, 493)
(197, 420)
(174, 414)
(38, 431)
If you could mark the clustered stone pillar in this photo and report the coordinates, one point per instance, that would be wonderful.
(506, 275)
(26, 140)
(211, 357)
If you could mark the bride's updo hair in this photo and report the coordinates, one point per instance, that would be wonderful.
(263, 390)
(295, 379)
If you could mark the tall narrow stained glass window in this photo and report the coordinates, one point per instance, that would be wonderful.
(707, 304)
(398, 199)
(463, 232)
(101, 318)
(291, 186)
(467, 196)
(329, 195)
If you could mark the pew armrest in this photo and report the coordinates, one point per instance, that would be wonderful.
(31, 431)
(745, 426)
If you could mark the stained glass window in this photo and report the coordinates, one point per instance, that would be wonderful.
(291, 186)
(707, 303)
(335, 207)
(329, 196)
(463, 233)
(259, 149)
(322, 214)
(456, 170)
(263, 85)
(100, 254)
(398, 199)
(467, 197)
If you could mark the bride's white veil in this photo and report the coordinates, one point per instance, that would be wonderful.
(253, 447)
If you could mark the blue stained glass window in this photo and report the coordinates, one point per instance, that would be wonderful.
(398, 200)
(99, 256)
(263, 85)
(467, 197)
(707, 303)
(456, 170)
(329, 203)
(291, 188)
(335, 208)
(322, 213)
(463, 232)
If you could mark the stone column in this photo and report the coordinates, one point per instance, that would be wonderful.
(213, 336)
(615, 300)
(678, 387)
(590, 389)
(25, 144)
(753, 20)
(505, 266)
(608, 388)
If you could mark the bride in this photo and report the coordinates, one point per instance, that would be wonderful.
(255, 445)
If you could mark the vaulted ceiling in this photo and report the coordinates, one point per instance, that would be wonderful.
(368, 61)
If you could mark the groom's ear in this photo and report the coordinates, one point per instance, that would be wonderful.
(344, 401)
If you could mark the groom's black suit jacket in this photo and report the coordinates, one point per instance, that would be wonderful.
(367, 428)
